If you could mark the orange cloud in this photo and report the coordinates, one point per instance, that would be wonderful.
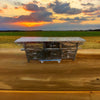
(1, 11)
(30, 24)
(91, 22)
(5, 7)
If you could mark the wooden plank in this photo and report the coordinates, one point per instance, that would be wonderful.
(49, 39)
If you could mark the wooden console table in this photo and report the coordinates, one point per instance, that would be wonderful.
(50, 48)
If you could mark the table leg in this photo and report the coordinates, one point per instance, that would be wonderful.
(75, 51)
(28, 59)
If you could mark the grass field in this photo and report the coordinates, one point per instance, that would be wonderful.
(92, 38)
(52, 33)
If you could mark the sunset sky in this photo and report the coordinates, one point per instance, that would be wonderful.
(49, 14)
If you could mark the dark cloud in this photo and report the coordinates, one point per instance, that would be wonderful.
(18, 3)
(40, 14)
(43, 15)
(33, 17)
(36, 17)
(33, 7)
(90, 10)
(88, 4)
(6, 19)
(75, 20)
(63, 8)
(98, 16)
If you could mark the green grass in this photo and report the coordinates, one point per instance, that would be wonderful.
(92, 37)
(52, 33)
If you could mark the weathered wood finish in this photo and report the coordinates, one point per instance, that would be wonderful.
(66, 50)
(69, 50)
(33, 51)
(50, 48)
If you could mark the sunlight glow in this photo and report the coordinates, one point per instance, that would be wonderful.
(30, 24)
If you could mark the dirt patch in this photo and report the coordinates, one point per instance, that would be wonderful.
(68, 75)
(89, 51)
(4, 86)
